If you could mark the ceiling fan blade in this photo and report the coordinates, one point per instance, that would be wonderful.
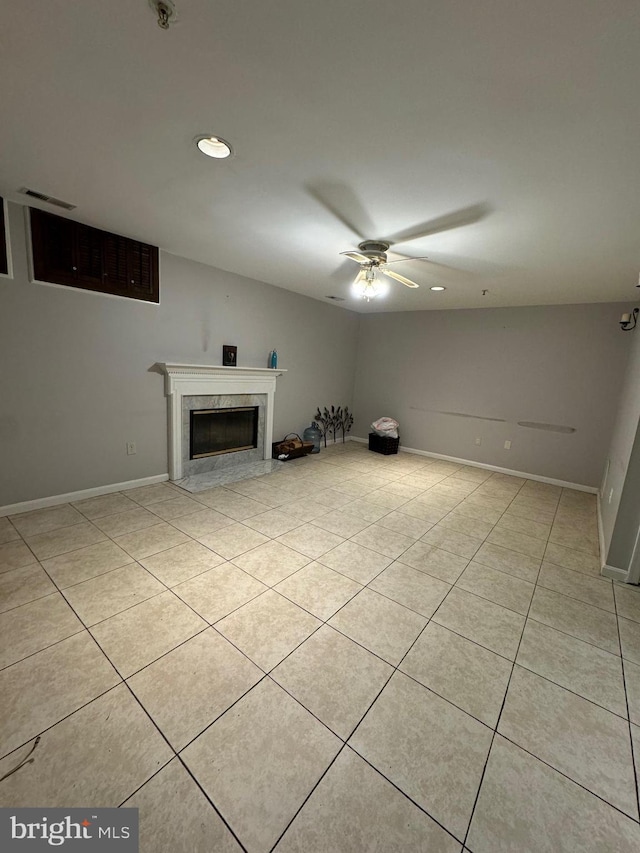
(343, 203)
(406, 281)
(456, 219)
(357, 257)
(404, 259)
(431, 267)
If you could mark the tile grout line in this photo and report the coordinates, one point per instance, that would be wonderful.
(518, 745)
(44, 648)
(396, 668)
(567, 634)
(177, 755)
(569, 778)
(304, 802)
(211, 803)
(405, 795)
(495, 728)
(66, 716)
(345, 741)
(123, 681)
(626, 697)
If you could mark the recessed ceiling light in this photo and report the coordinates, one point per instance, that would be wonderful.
(214, 146)
(438, 287)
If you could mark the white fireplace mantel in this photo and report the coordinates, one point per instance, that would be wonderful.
(187, 380)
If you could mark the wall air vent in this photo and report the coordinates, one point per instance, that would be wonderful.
(336, 298)
(49, 199)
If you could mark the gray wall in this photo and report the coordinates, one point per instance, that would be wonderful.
(75, 380)
(553, 364)
(625, 444)
(626, 529)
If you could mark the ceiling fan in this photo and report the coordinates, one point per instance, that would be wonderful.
(372, 255)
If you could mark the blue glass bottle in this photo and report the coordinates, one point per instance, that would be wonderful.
(273, 359)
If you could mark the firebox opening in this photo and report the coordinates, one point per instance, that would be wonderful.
(217, 431)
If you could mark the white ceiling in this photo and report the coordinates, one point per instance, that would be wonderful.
(391, 113)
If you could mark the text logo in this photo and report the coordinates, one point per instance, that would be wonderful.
(86, 830)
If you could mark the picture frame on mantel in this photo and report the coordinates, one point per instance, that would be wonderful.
(229, 356)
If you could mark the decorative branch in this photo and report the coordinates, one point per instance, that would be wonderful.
(347, 423)
(323, 421)
(333, 422)
(336, 421)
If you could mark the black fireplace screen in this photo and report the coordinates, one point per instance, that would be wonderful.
(216, 431)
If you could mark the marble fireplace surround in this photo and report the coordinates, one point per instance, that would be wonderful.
(201, 380)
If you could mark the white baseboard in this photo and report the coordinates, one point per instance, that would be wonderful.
(614, 573)
(579, 487)
(54, 500)
(603, 555)
(331, 442)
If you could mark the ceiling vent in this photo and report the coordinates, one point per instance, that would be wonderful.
(49, 199)
(336, 298)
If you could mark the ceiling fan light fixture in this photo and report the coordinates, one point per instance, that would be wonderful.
(367, 286)
(214, 146)
(437, 287)
(367, 290)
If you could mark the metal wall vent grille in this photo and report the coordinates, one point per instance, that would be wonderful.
(49, 199)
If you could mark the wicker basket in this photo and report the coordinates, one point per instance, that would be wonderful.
(383, 444)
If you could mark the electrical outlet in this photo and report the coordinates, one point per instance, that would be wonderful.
(131, 448)
(478, 440)
(610, 496)
(507, 445)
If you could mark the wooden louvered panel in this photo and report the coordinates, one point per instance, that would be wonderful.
(140, 266)
(67, 252)
(90, 253)
(4, 255)
(53, 240)
(143, 267)
(116, 262)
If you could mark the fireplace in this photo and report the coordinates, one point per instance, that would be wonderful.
(224, 432)
(216, 431)
(197, 388)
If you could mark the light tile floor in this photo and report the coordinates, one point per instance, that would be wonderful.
(356, 653)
